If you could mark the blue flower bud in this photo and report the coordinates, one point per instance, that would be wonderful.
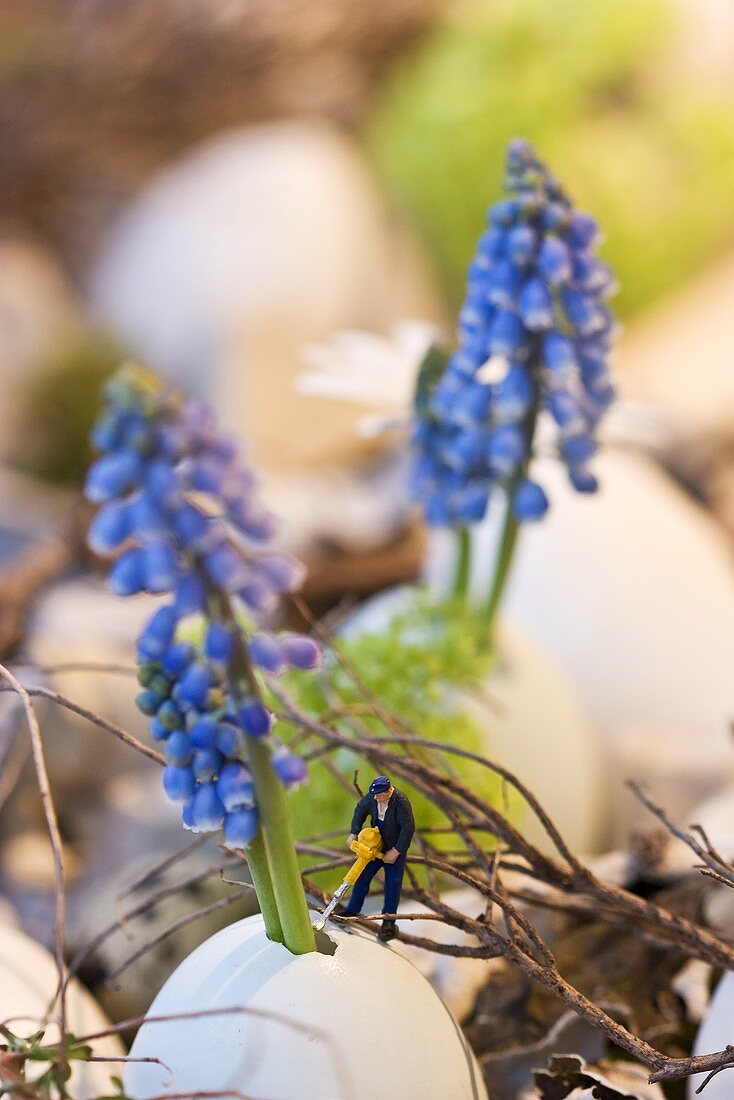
(582, 230)
(235, 786)
(473, 352)
(159, 568)
(170, 715)
(255, 718)
(521, 244)
(218, 644)
(157, 634)
(503, 284)
(191, 525)
(463, 448)
(203, 732)
(161, 481)
(148, 701)
(146, 518)
(591, 275)
(240, 828)
(490, 245)
(127, 576)
(577, 449)
(109, 528)
(289, 768)
(582, 479)
(506, 334)
(158, 731)
(178, 783)
(190, 595)
(177, 658)
(506, 449)
(530, 502)
(283, 572)
(437, 511)
(471, 405)
(267, 653)
(193, 688)
(583, 312)
(504, 212)
(514, 395)
(206, 764)
(225, 566)
(231, 741)
(177, 749)
(536, 306)
(207, 811)
(300, 651)
(470, 503)
(257, 593)
(554, 262)
(186, 819)
(565, 409)
(113, 475)
(559, 355)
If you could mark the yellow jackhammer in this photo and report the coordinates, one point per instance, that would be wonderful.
(366, 847)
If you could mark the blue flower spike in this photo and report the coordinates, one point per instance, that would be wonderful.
(534, 337)
(180, 512)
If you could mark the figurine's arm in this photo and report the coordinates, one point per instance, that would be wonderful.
(406, 823)
(360, 813)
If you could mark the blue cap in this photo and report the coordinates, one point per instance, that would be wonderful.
(380, 784)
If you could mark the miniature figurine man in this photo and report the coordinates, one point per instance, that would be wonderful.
(389, 811)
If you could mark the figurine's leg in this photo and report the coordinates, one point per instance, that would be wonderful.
(393, 884)
(361, 888)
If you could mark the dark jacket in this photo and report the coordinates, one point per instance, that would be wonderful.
(398, 827)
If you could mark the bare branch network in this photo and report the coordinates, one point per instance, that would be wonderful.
(492, 856)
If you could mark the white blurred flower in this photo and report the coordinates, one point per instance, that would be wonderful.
(367, 369)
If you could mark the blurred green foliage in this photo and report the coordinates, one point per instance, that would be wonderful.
(60, 405)
(650, 157)
(417, 668)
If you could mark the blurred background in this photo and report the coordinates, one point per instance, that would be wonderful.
(211, 186)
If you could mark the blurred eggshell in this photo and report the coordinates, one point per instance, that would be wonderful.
(28, 980)
(631, 592)
(255, 244)
(716, 1033)
(535, 726)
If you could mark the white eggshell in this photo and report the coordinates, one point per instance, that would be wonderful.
(351, 1025)
(632, 593)
(534, 724)
(254, 244)
(28, 980)
(716, 1033)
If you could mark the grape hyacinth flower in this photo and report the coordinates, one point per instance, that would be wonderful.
(534, 337)
(181, 516)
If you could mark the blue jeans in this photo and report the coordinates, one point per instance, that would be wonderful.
(393, 883)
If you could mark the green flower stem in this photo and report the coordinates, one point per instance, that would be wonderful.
(272, 857)
(277, 831)
(510, 531)
(505, 553)
(462, 576)
(257, 861)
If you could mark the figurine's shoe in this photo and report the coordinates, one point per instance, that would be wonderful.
(388, 931)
